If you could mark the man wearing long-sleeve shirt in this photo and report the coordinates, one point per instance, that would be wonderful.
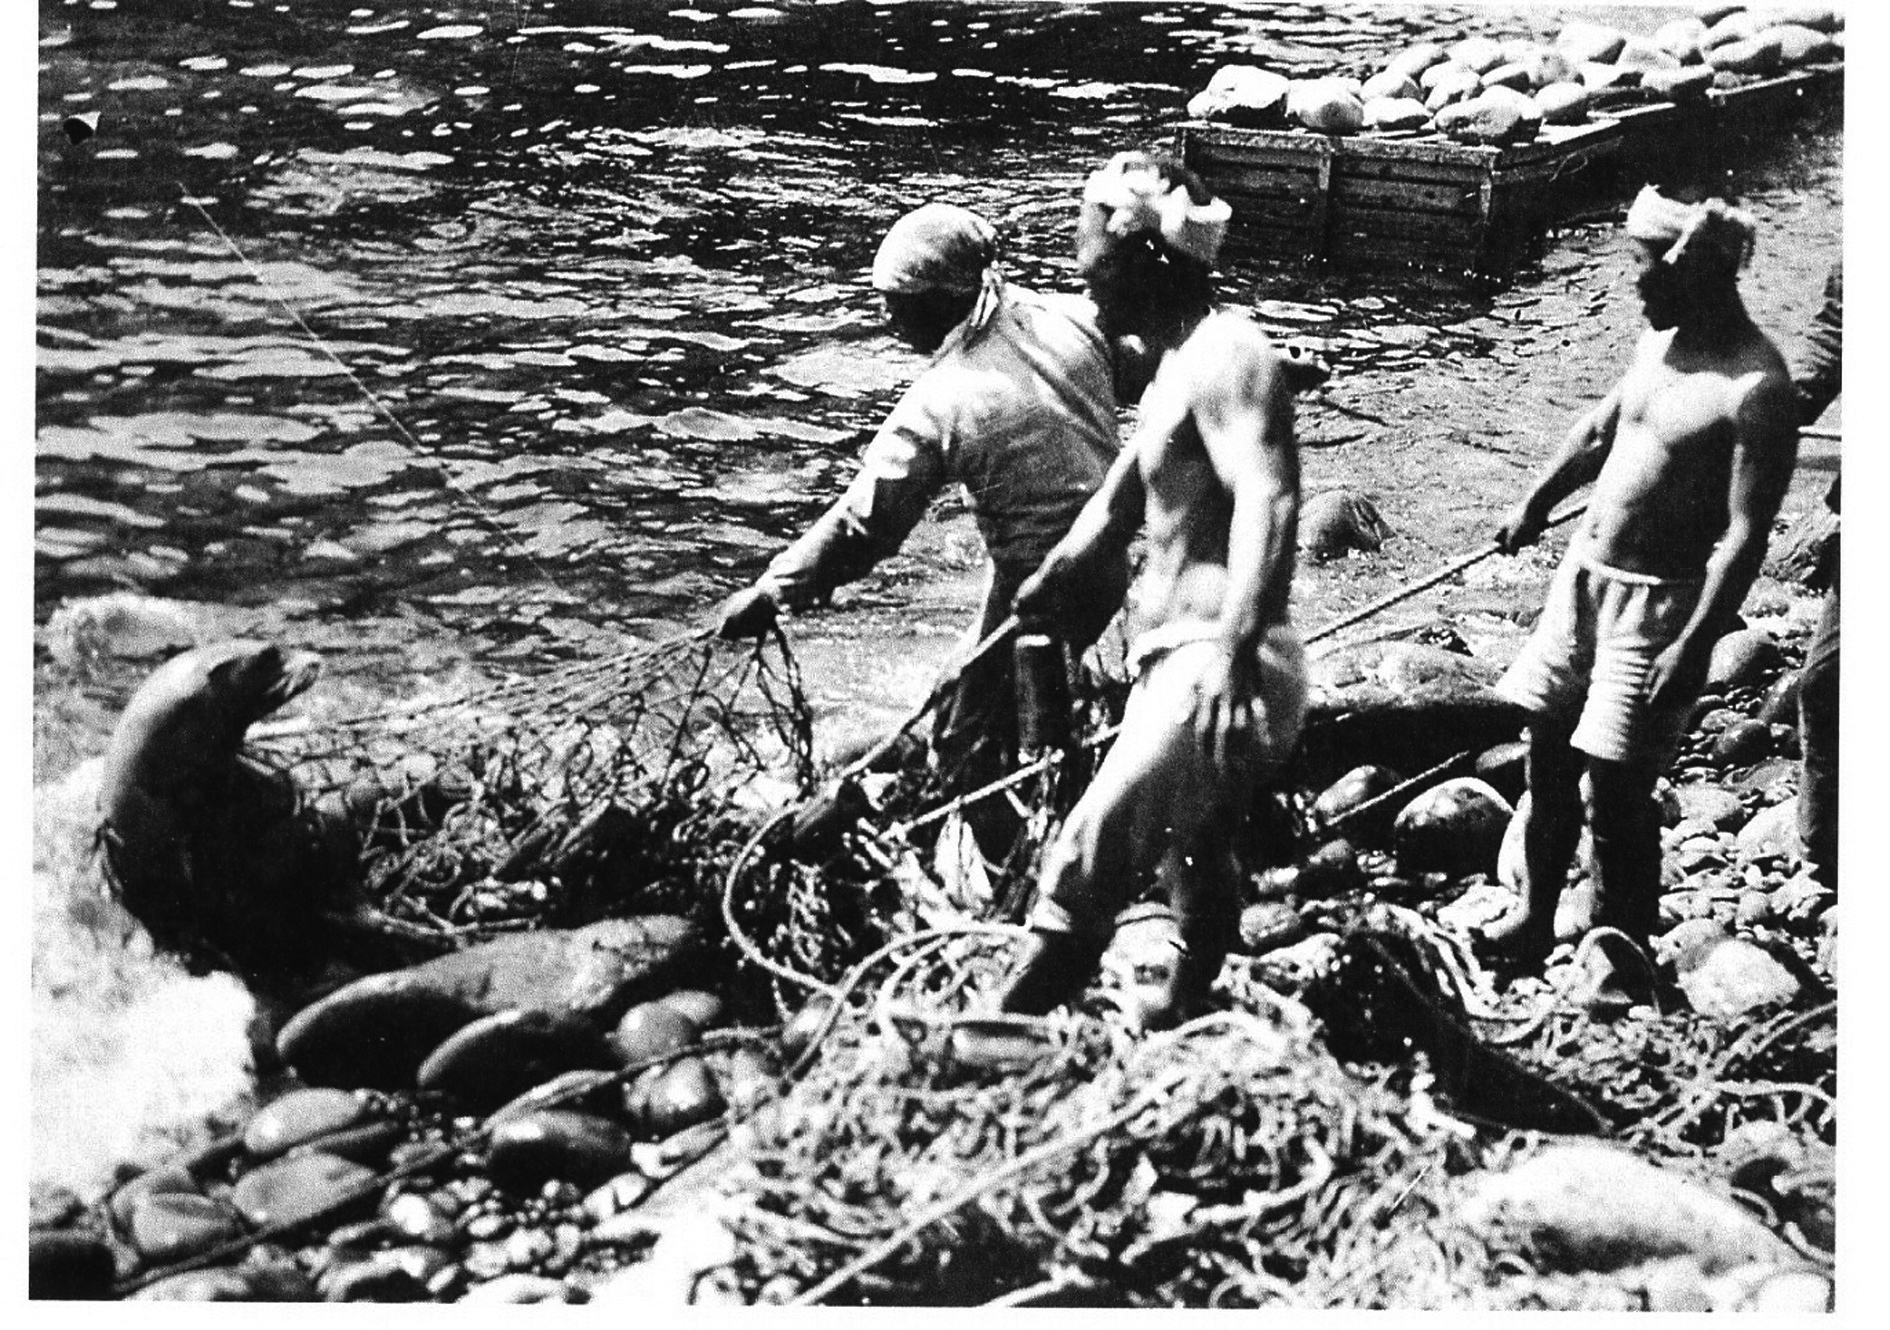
(1819, 378)
(1018, 407)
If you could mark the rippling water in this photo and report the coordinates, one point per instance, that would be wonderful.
(493, 331)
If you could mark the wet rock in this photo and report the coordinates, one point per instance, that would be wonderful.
(1447, 85)
(1505, 768)
(1396, 113)
(499, 1057)
(1563, 103)
(526, 1247)
(1332, 523)
(1489, 119)
(1512, 75)
(1742, 742)
(1477, 53)
(520, 1290)
(1737, 26)
(579, 1148)
(1687, 84)
(371, 1143)
(1243, 95)
(1822, 18)
(1351, 791)
(583, 1091)
(1608, 78)
(400, 1274)
(1797, 554)
(1781, 700)
(1804, 46)
(699, 1005)
(623, 1192)
(1597, 1207)
(221, 1284)
(1764, 54)
(1414, 61)
(1391, 84)
(1791, 1291)
(1711, 805)
(1269, 925)
(1326, 106)
(301, 1186)
(68, 1265)
(1455, 828)
(1331, 870)
(377, 1031)
(419, 1219)
(1636, 53)
(1586, 43)
(1725, 977)
(1774, 829)
(1742, 659)
(170, 1226)
(653, 1030)
(299, 1117)
(164, 1178)
(373, 1033)
(1684, 39)
(1546, 66)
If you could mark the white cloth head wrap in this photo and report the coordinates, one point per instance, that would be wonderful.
(942, 247)
(1138, 199)
(1711, 232)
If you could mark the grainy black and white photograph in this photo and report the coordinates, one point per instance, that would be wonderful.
(954, 654)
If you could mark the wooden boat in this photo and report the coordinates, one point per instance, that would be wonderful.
(1425, 201)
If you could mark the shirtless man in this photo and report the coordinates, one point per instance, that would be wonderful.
(1690, 455)
(1211, 472)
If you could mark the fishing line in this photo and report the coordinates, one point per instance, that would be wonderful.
(419, 450)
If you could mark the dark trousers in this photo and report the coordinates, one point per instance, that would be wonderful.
(1818, 741)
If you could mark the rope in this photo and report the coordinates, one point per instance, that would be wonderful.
(1425, 583)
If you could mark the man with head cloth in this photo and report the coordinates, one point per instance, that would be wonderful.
(1212, 475)
(1017, 406)
(1690, 455)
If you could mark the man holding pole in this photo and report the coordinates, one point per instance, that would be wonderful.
(1690, 455)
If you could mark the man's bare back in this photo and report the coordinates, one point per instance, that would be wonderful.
(1659, 505)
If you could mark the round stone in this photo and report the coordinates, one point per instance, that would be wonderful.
(699, 1005)
(497, 1058)
(580, 1148)
(169, 1226)
(1456, 828)
(654, 1030)
(302, 1186)
(299, 1117)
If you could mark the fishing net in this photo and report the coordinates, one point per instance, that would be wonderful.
(612, 786)
(929, 1156)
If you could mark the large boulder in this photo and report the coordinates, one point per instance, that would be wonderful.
(1763, 54)
(1738, 26)
(1584, 43)
(1600, 1207)
(497, 1058)
(1479, 54)
(1391, 83)
(1742, 659)
(376, 1031)
(1684, 39)
(1243, 95)
(1600, 77)
(529, 1150)
(1395, 113)
(1563, 104)
(1636, 53)
(1804, 46)
(1686, 84)
(1491, 119)
(1326, 106)
(1456, 828)
(1413, 61)
(1724, 977)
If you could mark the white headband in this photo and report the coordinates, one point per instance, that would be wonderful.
(1139, 200)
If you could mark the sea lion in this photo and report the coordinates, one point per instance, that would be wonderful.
(215, 853)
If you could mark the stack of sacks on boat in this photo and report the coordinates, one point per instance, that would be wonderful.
(479, 1125)
(1483, 91)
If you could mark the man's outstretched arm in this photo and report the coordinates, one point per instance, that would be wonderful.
(1575, 464)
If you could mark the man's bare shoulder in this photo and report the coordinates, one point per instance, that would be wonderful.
(1229, 352)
